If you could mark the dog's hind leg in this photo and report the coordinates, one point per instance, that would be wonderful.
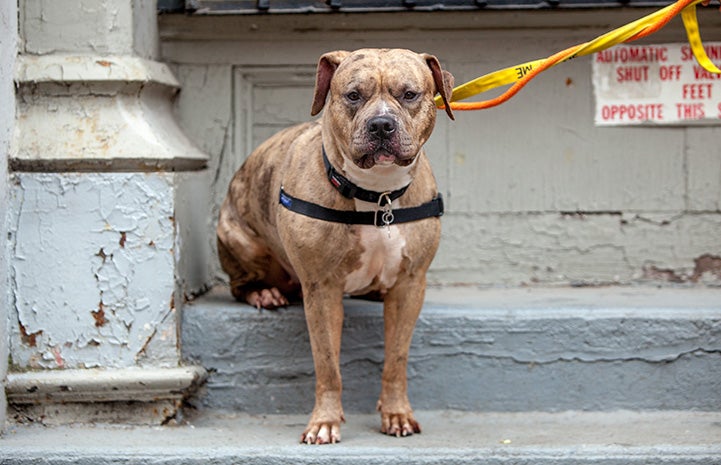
(255, 275)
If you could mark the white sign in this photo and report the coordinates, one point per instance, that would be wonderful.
(656, 84)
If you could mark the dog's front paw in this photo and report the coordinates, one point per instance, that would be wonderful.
(399, 425)
(321, 432)
(398, 422)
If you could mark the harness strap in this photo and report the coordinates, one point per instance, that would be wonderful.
(433, 208)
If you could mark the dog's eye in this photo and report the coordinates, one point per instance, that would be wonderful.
(410, 95)
(353, 96)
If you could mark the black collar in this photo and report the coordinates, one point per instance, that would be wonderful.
(351, 191)
(384, 215)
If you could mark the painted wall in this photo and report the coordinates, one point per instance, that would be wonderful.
(536, 194)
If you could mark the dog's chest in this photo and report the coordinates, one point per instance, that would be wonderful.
(379, 262)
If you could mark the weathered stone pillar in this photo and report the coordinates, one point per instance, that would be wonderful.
(8, 50)
(98, 222)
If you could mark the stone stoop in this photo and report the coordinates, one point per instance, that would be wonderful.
(492, 350)
(449, 437)
(593, 376)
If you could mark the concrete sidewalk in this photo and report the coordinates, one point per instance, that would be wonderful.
(213, 437)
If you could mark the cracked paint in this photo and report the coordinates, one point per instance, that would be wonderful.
(579, 248)
(96, 301)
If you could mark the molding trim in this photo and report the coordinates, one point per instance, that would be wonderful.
(121, 165)
(103, 385)
(59, 68)
(105, 113)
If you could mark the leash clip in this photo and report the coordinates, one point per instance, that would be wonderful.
(386, 211)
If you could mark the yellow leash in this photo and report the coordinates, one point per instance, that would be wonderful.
(521, 74)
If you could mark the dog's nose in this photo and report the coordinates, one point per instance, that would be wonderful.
(381, 126)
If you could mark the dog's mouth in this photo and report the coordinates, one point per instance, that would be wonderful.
(383, 155)
(382, 158)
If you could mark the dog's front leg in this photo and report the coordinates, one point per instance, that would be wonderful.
(324, 316)
(401, 308)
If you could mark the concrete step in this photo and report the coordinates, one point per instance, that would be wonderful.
(568, 438)
(512, 350)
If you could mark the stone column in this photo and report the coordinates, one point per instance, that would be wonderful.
(98, 221)
(8, 50)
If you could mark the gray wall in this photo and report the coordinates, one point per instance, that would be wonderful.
(8, 49)
(536, 194)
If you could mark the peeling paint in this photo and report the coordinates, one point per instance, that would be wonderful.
(95, 301)
(57, 357)
(707, 270)
(99, 316)
(579, 249)
(667, 275)
(29, 339)
(707, 266)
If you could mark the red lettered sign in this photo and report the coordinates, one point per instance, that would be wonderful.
(656, 84)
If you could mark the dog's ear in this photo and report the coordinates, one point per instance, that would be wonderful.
(443, 80)
(327, 65)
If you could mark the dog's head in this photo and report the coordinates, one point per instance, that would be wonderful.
(381, 101)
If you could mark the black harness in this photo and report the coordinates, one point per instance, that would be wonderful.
(382, 216)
